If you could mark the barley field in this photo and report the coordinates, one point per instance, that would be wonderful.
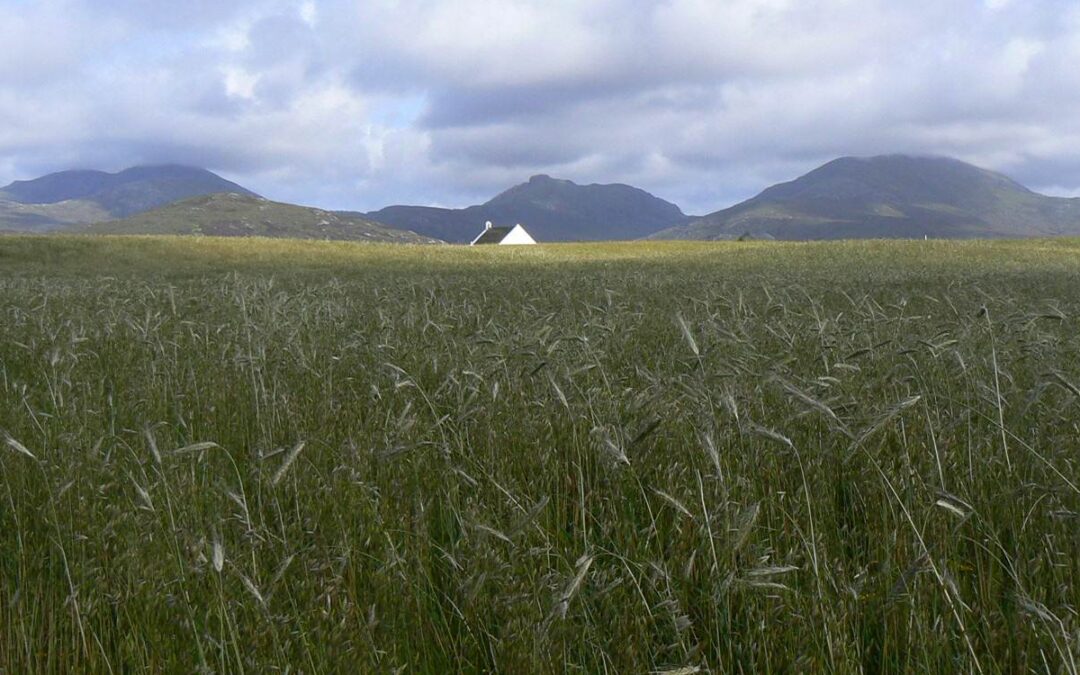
(262, 456)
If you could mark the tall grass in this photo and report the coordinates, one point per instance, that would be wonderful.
(265, 456)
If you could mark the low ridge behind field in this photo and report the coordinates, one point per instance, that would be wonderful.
(244, 454)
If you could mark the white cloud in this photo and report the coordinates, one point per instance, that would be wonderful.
(239, 82)
(309, 12)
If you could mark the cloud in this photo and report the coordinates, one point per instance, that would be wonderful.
(359, 104)
(45, 41)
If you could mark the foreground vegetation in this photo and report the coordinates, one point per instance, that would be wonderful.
(268, 456)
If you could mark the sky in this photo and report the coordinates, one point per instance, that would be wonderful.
(358, 104)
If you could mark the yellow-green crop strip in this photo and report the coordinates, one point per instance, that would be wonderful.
(243, 455)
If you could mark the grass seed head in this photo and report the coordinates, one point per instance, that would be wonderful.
(17, 446)
(151, 443)
(287, 462)
(218, 555)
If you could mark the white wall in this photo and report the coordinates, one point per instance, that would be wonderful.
(518, 235)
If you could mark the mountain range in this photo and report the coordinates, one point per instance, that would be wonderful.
(896, 196)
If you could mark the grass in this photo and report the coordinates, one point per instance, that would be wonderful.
(277, 456)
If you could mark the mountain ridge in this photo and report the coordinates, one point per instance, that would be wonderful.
(884, 196)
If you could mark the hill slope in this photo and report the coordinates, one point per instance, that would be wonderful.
(237, 215)
(19, 217)
(550, 209)
(71, 197)
(890, 196)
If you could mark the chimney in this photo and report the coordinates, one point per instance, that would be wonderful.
(487, 225)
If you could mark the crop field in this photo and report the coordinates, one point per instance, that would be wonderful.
(268, 456)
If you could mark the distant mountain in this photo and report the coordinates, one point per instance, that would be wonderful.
(72, 197)
(550, 209)
(890, 196)
(244, 215)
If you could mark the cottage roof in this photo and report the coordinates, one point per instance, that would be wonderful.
(493, 235)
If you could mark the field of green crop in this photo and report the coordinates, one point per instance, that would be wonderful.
(268, 456)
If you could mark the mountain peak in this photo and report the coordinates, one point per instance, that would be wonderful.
(543, 180)
(163, 170)
(886, 179)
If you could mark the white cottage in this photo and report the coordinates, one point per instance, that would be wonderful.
(503, 235)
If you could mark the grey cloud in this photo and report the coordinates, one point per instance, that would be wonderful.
(468, 106)
(282, 38)
(172, 16)
(506, 146)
